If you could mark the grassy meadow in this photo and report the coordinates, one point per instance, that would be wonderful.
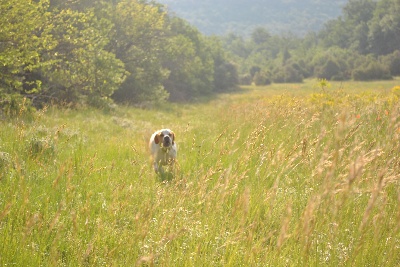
(285, 175)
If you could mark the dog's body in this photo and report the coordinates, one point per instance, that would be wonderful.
(163, 148)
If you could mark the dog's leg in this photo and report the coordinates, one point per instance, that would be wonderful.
(155, 166)
(158, 167)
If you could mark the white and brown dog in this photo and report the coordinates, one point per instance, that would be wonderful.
(163, 148)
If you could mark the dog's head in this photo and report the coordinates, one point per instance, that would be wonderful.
(165, 137)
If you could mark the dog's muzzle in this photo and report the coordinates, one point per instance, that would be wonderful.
(167, 141)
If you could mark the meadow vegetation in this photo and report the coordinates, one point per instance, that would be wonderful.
(285, 175)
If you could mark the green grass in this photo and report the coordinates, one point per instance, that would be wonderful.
(286, 175)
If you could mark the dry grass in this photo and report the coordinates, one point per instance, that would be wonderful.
(264, 178)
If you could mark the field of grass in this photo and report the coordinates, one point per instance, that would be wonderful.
(286, 175)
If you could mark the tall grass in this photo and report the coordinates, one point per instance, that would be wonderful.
(265, 177)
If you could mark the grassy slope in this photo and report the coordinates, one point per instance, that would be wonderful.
(282, 175)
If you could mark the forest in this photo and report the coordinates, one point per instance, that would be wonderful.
(362, 44)
(98, 53)
(104, 52)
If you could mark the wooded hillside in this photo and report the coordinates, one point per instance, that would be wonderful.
(362, 44)
(93, 52)
(241, 17)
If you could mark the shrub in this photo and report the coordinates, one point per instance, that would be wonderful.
(371, 71)
(261, 78)
(329, 70)
(225, 77)
(287, 74)
(392, 61)
(13, 105)
(245, 79)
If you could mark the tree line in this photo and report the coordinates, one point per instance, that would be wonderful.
(99, 52)
(362, 44)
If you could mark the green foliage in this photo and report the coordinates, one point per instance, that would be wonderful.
(287, 74)
(245, 79)
(225, 77)
(93, 52)
(80, 64)
(15, 105)
(371, 71)
(393, 61)
(191, 60)
(21, 42)
(329, 70)
(384, 27)
(343, 46)
(261, 78)
(137, 39)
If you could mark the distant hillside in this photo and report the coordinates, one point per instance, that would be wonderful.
(242, 16)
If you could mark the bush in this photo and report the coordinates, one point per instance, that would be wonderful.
(225, 77)
(371, 71)
(329, 70)
(13, 105)
(261, 78)
(393, 61)
(287, 74)
(245, 79)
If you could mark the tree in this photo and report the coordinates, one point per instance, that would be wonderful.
(287, 74)
(79, 65)
(137, 36)
(336, 33)
(393, 61)
(189, 60)
(261, 78)
(357, 14)
(371, 71)
(384, 35)
(21, 42)
(260, 36)
(329, 70)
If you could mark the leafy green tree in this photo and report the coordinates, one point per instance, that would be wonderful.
(287, 74)
(189, 60)
(329, 70)
(357, 14)
(225, 77)
(260, 36)
(384, 35)
(237, 46)
(79, 64)
(334, 63)
(21, 42)
(137, 39)
(336, 33)
(225, 72)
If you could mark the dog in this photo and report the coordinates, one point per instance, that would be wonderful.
(163, 148)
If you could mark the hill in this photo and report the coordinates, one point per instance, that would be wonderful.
(241, 17)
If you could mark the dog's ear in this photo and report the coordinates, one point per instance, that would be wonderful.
(157, 139)
(173, 137)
